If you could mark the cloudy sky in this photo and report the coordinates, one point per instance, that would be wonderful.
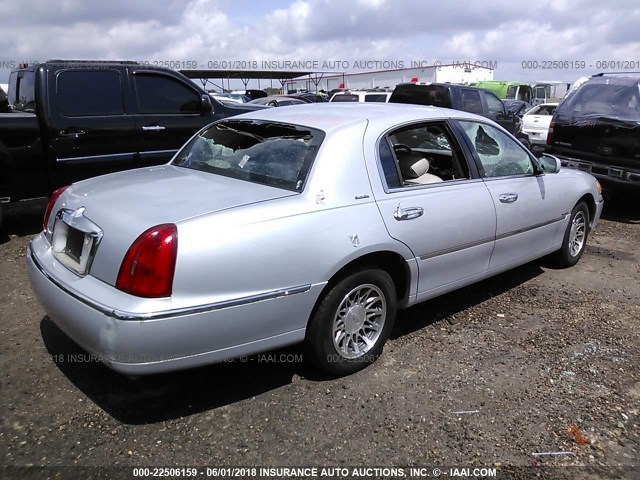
(502, 31)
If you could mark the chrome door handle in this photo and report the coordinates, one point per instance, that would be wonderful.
(407, 213)
(508, 197)
(72, 132)
(153, 128)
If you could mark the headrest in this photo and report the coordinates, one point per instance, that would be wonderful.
(419, 168)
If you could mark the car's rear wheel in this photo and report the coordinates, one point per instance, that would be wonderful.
(575, 237)
(352, 322)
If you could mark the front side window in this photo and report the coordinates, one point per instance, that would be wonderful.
(495, 106)
(89, 93)
(275, 154)
(159, 94)
(499, 154)
(471, 101)
(423, 154)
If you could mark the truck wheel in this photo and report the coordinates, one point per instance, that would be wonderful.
(352, 322)
(575, 238)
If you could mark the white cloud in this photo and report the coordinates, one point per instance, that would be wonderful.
(203, 30)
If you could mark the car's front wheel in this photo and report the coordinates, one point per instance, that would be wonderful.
(575, 237)
(352, 322)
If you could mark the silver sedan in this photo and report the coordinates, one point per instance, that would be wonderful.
(311, 224)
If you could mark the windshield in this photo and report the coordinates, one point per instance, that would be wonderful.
(275, 154)
(603, 100)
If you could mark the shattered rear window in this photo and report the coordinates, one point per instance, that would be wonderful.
(275, 154)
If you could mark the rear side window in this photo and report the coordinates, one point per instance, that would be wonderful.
(436, 95)
(345, 98)
(375, 97)
(88, 93)
(21, 94)
(159, 94)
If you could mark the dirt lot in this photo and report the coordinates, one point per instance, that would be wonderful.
(538, 360)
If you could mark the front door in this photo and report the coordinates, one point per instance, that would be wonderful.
(529, 213)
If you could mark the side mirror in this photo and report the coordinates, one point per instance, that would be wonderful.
(205, 104)
(549, 163)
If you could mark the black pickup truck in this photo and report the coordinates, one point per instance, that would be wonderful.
(461, 97)
(72, 120)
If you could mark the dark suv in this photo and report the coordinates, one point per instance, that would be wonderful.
(596, 128)
(461, 97)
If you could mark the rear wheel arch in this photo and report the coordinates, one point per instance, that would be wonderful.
(391, 262)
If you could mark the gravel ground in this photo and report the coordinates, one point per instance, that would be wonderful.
(537, 360)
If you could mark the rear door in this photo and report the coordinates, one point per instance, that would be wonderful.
(168, 113)
(435, 204)
(92, 129)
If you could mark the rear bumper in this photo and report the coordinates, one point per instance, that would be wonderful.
(606, 173)
(170, 341)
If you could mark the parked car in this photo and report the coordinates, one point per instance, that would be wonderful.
(361, 96)
(596, 128)
(311, 224)
(536, 121)
(77, 119)
(277, 101)
(461, 97)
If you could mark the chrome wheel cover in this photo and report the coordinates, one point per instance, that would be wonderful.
(577, 234)
(359, 320)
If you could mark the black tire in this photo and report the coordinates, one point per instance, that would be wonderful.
(336, 356)
(570, 252)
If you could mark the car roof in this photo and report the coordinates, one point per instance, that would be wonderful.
(332, 116)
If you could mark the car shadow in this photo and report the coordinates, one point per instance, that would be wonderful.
(22, 218)
(155, 398)
(449, 305)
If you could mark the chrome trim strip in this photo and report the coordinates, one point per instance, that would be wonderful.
(235, 302)
(533, 227)
(92, 158)
(488, 240)
(455, 249)
(158, 152)
(122, 315)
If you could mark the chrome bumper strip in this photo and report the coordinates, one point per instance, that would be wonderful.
(122, 315)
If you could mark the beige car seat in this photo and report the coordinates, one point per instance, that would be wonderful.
(416, 173)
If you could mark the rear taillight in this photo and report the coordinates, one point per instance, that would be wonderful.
(148, 267)
(550, 133)
(52, 201)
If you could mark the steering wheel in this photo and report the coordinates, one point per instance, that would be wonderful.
(402, 147)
